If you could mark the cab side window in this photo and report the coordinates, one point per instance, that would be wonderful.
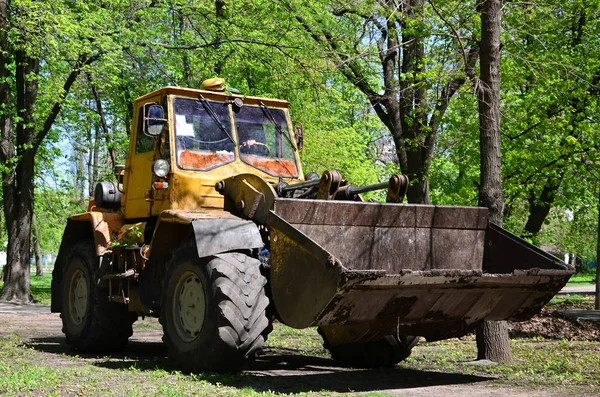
(144, 143)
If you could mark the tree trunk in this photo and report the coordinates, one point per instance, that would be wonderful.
(18, 179)
(103, 124)
(492, 342)
(220, 16)
(39, 266)
(6, 126)
(185, 61)
(80, 176)
(539, 208)
(16, 287)
(492, 337)
(90, 163)
(597, 300)
(19, 190)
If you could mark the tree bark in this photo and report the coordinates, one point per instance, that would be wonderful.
(93, 176)
(492, 337)
(39, 266)
(220, 17)
(90, 162)
(103, 124)
(20, 193)
(539, 208)
(597, 300)
(80, 174)
(6, 126)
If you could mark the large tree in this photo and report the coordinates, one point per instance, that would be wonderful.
(551, 101)
(492, 336)
(407, 58)
(44, 47)
(549, 104)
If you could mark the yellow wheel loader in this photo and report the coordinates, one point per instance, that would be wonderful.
(213, 228)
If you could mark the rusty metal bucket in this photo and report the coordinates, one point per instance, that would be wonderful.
(366, 270)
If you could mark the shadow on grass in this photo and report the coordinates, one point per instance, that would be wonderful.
(278, 370)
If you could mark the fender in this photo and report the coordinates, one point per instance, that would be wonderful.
(214, 232)
(99, 226)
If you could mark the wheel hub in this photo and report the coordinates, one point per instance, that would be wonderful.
(78, 297)
(190, 306)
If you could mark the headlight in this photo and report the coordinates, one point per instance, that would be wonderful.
(160, 168)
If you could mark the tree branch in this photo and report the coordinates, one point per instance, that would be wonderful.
(83, 61)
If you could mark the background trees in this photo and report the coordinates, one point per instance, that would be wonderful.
(45, 47)
(367, 79)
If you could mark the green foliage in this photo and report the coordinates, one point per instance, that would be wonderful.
(550, 69)
(53, 207)
(41, 288)
(340, 136)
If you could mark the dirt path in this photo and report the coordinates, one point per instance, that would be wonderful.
(279, 370)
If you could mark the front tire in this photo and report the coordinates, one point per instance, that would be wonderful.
(213, 310)
(383, 353)
(90, 322)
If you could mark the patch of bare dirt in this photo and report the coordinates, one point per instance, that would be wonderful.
(556, 324)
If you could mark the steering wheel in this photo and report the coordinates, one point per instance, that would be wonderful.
(252, 146)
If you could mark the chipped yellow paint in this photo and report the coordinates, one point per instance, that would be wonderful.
(105, 226)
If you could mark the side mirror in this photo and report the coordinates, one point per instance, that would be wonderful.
(154, 119)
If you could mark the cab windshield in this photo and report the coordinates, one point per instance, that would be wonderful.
(262, 144)
(203, 134)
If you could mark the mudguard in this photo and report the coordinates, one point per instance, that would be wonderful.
(99, 226)
(214, 232)
(214, 236)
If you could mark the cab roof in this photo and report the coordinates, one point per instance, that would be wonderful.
(213, 95)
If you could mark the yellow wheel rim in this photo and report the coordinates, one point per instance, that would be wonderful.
(78, 297)
(189, 306)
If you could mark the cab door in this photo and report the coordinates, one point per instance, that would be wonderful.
(138, 169)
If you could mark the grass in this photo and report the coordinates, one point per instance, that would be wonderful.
(572, 300)
(548, 363)
(559, 366)
(27, 372)
(40, 287)
(588, 277)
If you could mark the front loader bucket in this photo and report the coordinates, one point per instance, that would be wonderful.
(366, 270)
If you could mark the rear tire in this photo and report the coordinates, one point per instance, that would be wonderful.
(213, 310)
(90, 322)
(383, 353)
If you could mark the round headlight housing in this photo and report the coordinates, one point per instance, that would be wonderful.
(160, 168)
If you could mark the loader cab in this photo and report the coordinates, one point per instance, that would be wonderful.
(138, 178)
(201, 138)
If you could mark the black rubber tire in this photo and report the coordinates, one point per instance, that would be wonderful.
(227, 323)
(383, 353)
(90, 322)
